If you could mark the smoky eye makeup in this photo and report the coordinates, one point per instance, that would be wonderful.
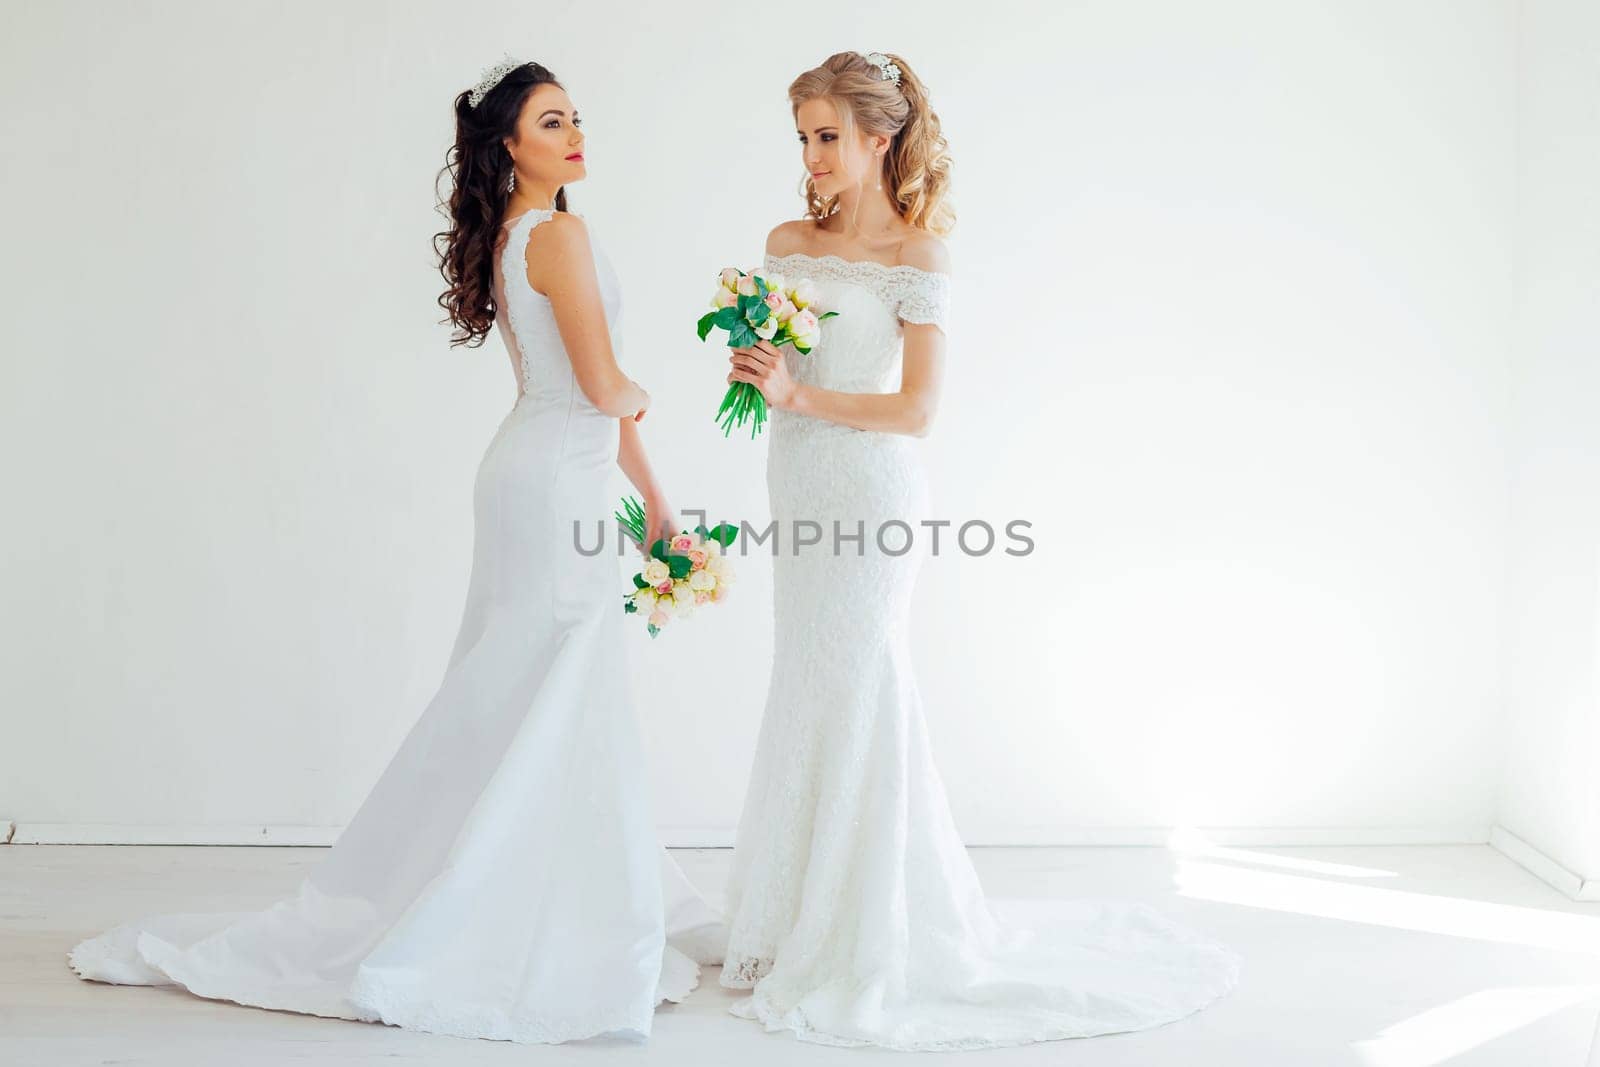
(552, 119)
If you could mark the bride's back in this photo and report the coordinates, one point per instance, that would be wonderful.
(527, 323)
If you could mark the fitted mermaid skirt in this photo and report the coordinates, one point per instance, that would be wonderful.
(503, 878)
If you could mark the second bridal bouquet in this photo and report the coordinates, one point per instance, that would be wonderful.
(754, 307)
(683, 572)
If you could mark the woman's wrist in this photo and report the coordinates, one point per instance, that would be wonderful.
(799, 400)
(656, 498)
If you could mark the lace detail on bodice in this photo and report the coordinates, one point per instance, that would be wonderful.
(860, 351)
(544, 368)
(913, 294)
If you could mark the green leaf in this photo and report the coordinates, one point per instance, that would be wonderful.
(761, 286)
(629, 606)
(639, 582)
(758, 314)
(742, 336)
(827, 315)
(680, 566)
(702, 531)
(653, 628)
(728, 317)
(703, 327)
(659, 549)
(724, 533)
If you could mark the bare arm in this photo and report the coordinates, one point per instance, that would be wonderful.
(909, 410)
(560, 265)
(635, 464)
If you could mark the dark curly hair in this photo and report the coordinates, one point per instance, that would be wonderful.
(480, 170)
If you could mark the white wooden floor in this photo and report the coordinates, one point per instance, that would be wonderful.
(1388, 956)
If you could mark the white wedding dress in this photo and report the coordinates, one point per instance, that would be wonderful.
(503, 879)
(855, 916)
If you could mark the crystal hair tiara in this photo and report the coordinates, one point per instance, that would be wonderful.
(887, 67)
(491, 78)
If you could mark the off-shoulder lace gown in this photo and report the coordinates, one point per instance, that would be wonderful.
(854, 913)
(503, 879)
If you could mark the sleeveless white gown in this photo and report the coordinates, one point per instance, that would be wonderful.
(503, 879)
(855, 916)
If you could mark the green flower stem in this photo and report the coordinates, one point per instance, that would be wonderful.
(631, 518)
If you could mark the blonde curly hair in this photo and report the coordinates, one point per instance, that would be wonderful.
(917, 167)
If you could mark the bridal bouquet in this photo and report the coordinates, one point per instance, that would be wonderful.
(683, 572)
(753, 307)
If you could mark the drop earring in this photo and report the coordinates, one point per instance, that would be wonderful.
(511, 186)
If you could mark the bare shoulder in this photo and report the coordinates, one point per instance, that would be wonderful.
(557, 247)
(789, 237)
(558, 253)
(562, 233)
(925, 251)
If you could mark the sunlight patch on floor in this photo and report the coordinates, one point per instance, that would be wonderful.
(1193, 843)
(1460, 1025)
(1203, 879)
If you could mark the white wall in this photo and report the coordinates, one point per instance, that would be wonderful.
(1552, 782)
(1232, 330)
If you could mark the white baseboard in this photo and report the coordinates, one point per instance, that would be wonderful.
(1525, 855)
(79, 833)
(42, 833)
(1060, 836)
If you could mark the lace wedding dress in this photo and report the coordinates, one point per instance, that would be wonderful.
(854, 913)
(503, 879)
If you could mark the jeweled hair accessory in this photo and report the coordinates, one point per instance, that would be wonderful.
(491, 78)
(886, 66)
